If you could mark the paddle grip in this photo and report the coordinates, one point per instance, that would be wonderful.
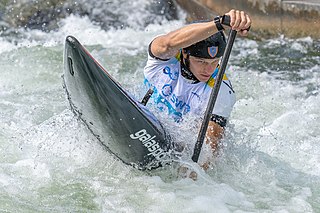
(225, 20)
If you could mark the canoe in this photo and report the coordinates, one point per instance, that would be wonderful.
(120, 122)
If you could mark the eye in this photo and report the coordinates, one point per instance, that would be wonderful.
(202, 62)
(216, 61)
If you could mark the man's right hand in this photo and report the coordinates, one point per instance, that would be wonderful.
(239, 21)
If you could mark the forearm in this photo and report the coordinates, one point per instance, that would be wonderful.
(168, 45)
(191, 34)
(214, 135)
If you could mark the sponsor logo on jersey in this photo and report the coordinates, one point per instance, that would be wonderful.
(176, 103)
(172, 75)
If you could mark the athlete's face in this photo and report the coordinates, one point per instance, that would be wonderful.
(203, 68)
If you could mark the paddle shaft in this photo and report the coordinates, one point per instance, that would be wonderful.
(213, 96)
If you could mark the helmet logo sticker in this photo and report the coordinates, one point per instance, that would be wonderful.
(212, 51)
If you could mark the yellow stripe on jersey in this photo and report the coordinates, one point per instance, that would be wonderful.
(178, 56)
(210, 82)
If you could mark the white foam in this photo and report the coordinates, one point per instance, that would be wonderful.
(270, 160)
(6, 46)
(30, 167)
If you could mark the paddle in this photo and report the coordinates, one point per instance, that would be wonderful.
(214, 93)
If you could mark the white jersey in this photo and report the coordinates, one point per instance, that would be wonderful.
(176, 95)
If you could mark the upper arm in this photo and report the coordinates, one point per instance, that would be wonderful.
(162, 48)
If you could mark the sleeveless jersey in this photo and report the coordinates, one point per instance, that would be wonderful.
(176, 95)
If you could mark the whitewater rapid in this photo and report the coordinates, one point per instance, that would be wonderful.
(50, 162)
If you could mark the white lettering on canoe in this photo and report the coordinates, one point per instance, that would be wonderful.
(150, 143)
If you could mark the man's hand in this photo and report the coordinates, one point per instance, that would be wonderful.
(239, 21)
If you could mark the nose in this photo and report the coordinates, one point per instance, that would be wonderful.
(210, 68)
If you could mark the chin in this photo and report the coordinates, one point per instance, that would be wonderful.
(204, 79)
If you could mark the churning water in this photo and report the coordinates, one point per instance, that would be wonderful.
(50, 162)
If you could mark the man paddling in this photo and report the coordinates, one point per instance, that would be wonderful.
(182, 66)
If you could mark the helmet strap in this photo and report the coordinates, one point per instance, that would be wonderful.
(185, 69)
